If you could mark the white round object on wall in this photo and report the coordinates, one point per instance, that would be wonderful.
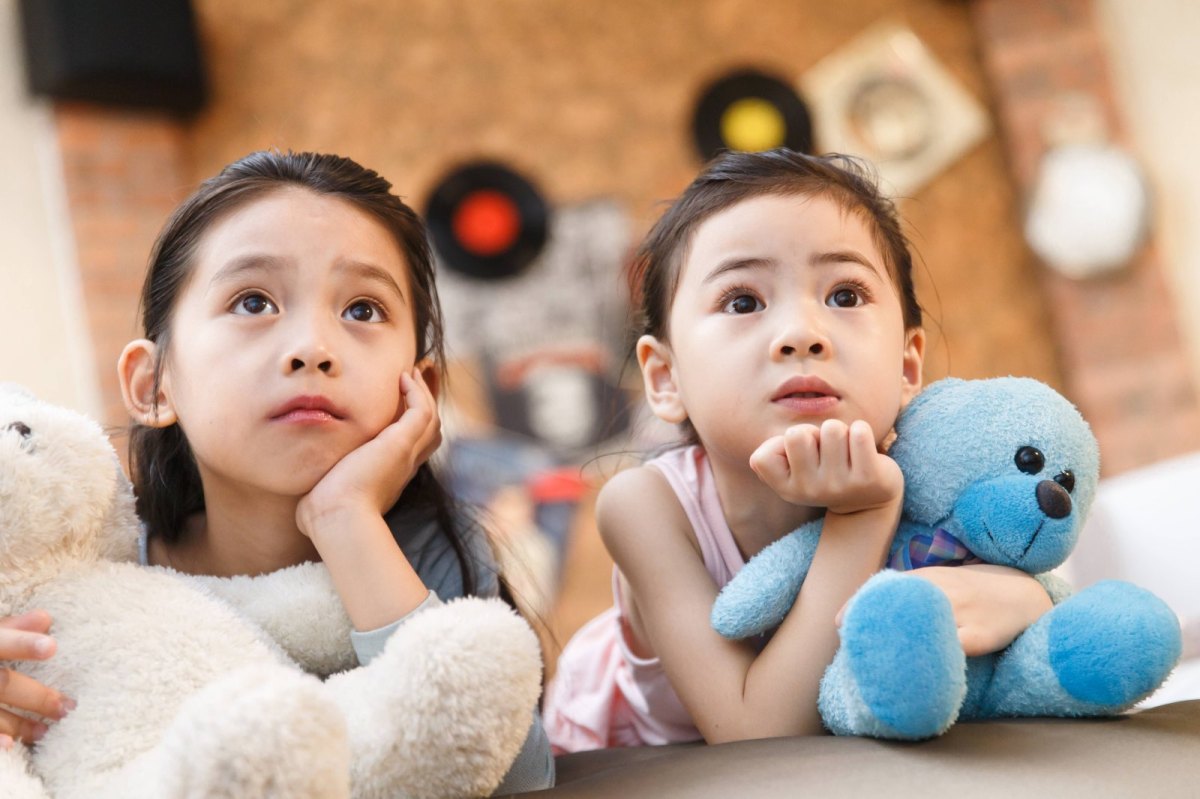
(1089, 209)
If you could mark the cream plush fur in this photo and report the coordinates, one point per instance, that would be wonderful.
(181, 694)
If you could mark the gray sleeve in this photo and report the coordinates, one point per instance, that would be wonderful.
(370, 643)
(533, 770)
(433, 556)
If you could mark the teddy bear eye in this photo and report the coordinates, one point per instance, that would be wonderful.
(21, 429)
(1066, 479)
(1030, 460)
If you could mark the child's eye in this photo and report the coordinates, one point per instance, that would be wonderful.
(846, 297)
(253, 304)
(742, 304)
(365, 311)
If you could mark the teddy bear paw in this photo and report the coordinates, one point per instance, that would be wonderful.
(900, 672)
(1113, 643)
(263, 731)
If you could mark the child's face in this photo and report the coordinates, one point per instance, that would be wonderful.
(785, 314)
(288, 340)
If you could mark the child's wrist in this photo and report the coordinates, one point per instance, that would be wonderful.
(886, 509)
(319, 520)
(882, 500)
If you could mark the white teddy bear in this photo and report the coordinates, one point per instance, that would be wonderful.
(179, 694)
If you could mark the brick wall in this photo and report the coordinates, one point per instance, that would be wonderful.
(123, 173)
(1123, 358)
(1115, 347)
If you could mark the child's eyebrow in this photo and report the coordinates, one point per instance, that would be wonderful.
(244, 264)
(247, 264)
(372, 273)
(817, 259)
(737, 264)
(841, 257)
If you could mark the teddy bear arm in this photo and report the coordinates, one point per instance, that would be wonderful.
(759, 596)
(444, 709)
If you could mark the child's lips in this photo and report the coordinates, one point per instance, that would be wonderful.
(808, 404)
(803, 387)
(806, 395)
(307, 409)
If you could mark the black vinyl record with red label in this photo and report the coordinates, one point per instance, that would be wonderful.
(486, 221)
(751, 111)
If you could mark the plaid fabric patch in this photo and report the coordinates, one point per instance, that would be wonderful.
(939, 549)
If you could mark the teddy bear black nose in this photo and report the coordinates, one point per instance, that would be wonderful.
(21, 429)
(1053, 499)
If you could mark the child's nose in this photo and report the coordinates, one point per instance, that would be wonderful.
(324, 364)
(816, 348)
(800, 338)
(307, 346)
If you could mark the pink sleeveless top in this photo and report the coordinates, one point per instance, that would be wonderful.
(602, 694)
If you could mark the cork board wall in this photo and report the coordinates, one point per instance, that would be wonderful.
(594, 100)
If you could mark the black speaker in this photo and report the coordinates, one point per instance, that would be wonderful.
(139, 53)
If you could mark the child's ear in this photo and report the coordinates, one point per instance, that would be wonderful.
(135, 371)
(431, 375)
(914, 364)
(658, 378)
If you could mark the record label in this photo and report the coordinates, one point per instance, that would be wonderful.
(486, 221)
(750, 111)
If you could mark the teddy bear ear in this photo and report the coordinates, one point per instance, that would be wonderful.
(930, 394)
(10, 392)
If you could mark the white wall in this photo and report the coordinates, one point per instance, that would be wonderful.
(1156, 66)
(43, 330)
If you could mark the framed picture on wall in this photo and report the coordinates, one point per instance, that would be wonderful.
(884, 96)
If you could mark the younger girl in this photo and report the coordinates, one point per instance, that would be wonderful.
(284, 398)
(780, 329)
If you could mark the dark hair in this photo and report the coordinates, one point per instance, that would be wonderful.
(730, 178)
(164, 473)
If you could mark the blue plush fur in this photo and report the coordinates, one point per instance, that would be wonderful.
(900, 672)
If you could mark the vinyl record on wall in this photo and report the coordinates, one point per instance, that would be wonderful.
(750, 111)
(486, 221)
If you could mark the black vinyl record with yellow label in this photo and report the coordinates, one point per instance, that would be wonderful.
(486, 221)
(751, 111)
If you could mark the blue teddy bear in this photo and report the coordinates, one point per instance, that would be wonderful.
(996, 471)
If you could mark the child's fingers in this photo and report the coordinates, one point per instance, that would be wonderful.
(802, 443)
(835, 448)
(769, 456)
(34, 621)
(769, 461)
(418, 432)
(16, 727)
(431, 431)
(862, 445)
(18, 644)
(25, 693)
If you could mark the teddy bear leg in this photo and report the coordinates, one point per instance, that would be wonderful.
(261, 731)
(900, 670)
(16, 780)
(1095, 654)
(444, 709)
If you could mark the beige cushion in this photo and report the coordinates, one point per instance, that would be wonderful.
(1152, 753)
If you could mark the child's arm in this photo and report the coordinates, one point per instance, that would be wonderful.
(343, 514)
(731, 692)
(992, 604)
